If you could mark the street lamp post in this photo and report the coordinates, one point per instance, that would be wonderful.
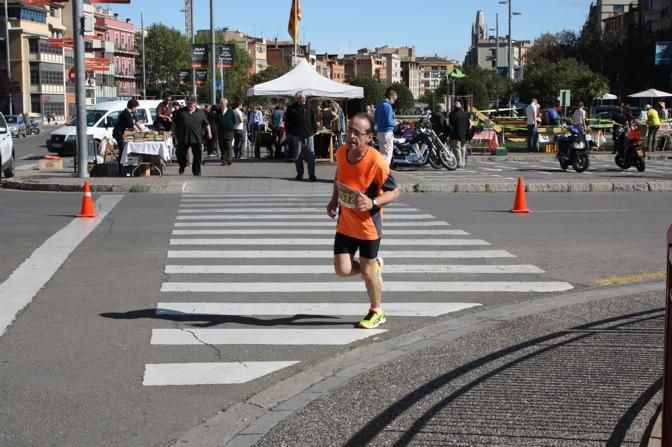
(213, 49)
(510, 56)
(9, 68)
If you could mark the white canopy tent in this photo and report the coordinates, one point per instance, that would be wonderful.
(304, 78)
(651, 93)
(607, 97)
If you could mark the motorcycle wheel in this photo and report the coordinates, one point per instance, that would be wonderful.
(621, 163)
(448, 159)
(434, 160)
(581, 162)
(640, 164)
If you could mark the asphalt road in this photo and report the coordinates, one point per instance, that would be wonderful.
(73, 363)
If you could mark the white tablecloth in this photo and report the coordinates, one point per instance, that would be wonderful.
(160, 148)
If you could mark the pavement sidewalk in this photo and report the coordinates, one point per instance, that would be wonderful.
(276, 176)
(578, 369)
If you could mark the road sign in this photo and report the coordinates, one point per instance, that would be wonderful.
(565, 98)
(71, 75)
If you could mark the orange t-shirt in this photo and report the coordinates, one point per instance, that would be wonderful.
(370, 176)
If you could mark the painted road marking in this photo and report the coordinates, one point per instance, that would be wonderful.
(327, 242)
(273, 336)
(220, 373)
(630, 279)
(323, 223)
(306, 231)
(294, 254)
(18, 290)
(320, 210)
(348, 287)
(322, 216)
(390, 269)
(311, 309)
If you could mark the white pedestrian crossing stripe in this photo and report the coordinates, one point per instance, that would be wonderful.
(275, 336)
(282, 282)
(216, 373)
(358, 286)
(325, 242)
(390, 269)
(309, 254)
(314, 309)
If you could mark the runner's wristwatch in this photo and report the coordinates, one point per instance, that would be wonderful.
(375, 204)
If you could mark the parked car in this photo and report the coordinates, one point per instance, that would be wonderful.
(100, 121)
(6, 149)
(17, 125)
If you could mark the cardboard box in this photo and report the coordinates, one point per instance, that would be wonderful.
(50, 165)
(145, 169)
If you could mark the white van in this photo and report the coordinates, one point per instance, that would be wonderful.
(100, 121)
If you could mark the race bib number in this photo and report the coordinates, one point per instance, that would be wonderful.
(346, 195)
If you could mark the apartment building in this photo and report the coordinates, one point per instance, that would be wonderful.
(365, 63)
(37, 67)
(120, 47)
(603, 10)
(256, 47)
(433, 70)
(656, 15)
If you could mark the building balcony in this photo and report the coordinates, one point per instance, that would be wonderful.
(125, 49)
(124, 74)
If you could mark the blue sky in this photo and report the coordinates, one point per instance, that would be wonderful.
(440, 27)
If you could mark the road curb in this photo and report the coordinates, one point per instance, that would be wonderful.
(269, 407)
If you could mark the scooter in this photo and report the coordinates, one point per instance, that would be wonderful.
(573, 149)
(629, 151)
(35, 128)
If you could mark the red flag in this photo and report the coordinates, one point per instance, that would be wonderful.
(294, 19)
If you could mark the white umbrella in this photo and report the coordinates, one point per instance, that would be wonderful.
(651, 93)
(606, 97)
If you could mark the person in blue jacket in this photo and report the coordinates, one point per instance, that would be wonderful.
(385, 124)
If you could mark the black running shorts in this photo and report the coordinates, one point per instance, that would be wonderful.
(346, 244)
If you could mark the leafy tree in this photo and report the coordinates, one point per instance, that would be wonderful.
(486, 86)
(552, 47)
(545, 80)
(405, 99)
(167, 51)
(374, 90)
(271, 72)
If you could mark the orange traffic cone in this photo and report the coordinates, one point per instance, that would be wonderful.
(520, 202)
(87, 203)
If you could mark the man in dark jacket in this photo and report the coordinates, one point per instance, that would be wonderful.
(459, 123)
(188, 123)
(226, 121)
(439, 122)
(301, 125)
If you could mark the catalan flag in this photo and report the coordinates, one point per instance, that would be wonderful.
(294, 19)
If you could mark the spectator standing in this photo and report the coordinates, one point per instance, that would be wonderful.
(226, 122)
(189, 123)
(385, 124)
(440, 122)
(164, 114)
(459, 124)
(532, 114)
(239, 132)
(362, 187)
(300, 126)
(653, 123)
(127, 120)
(276, 122)
(579, 117)
(663, 112)
(257, 123)
(211, 143)
(337, 124)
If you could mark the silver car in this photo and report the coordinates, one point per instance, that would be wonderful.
(17, 125)
(6, 149)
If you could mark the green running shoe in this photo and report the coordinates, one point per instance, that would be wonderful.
(372, 320)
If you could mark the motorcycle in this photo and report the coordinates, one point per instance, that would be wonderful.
(420, 146)
(35, 128)
(628, 145)
(573, 149)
